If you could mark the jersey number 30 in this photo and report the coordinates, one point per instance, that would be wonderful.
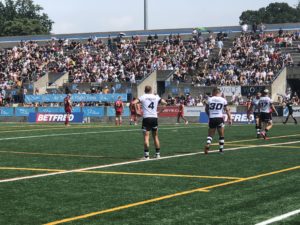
(151, 105)
(215, 106)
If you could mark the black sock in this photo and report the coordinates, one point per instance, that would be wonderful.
(146, 152)
(157, 151)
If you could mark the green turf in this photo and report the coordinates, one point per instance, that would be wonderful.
(47, 199)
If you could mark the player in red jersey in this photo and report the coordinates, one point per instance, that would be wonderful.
(119, 107)
(180, 113)
(68, 109)
(134, 112)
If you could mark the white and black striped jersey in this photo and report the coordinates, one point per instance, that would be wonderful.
(216, 106)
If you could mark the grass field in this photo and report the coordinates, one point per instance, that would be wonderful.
(92, 174)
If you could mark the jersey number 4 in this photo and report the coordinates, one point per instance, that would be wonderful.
(215, 106)
(151, 105)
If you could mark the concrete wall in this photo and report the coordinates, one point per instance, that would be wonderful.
(279, 85)
(42, 84)
(150, 80)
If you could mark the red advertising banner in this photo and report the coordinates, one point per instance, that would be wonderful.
(168, 111)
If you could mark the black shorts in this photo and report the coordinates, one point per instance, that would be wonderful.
(216, 123)
(265, 117)
(150, 124)
(256, 115)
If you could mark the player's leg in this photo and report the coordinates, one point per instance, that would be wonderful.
(221, 132)
(268, 126)
(287, 118)
(120, 120)
(67, 121)
(156, 143)
(135, 119)
(211, 133)
(178, 118)
(131, 119)
(146, 144)
(117, 120)
(184, 119)
(257, 126)
(295, 121)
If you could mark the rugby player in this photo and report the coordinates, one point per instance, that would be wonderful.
(266, 108)
(149, 103)
(68, 108)
(289, 106)
(134, 111)
(214, 109)
(119, 107)
(254, 107)
(180, 113)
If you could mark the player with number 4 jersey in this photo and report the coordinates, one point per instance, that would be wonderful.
(214, 109)
(150, 103)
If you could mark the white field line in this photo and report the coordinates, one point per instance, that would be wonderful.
(90, 132)
(135, 162)
(77, 126)
(279, 218)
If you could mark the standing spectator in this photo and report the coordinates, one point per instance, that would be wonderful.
(244, 28)
(262, 28)
(112, 89)
(220, 46)
(254, 27)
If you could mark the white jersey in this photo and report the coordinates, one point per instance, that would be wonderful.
(149, 105)
(265, 104)
(216, 106)
(255, 104)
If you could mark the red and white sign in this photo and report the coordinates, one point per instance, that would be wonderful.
(168, 111)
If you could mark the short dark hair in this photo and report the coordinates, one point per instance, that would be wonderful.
(216, 91)
(148, 89)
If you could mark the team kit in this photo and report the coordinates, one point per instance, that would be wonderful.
(146, 106)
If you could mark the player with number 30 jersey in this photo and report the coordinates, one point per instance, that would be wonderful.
(214, 109)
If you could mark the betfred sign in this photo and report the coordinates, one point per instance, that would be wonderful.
(168, 111)
(54, 117)
(236, 118)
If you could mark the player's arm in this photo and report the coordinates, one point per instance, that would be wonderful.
(163, 103)
(227, 110)
(274, 109)
(70, 104)
(207, 109)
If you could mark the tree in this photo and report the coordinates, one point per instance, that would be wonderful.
(273, 13)
(23, 17)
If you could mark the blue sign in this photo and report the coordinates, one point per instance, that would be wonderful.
(6, 111)
(75, 98)
(93, 111)
(51, 110)
(76, 109)
(24, 111)
(112, 112)
(54, 117)
(175, 91)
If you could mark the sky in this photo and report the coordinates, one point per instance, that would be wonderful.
(81, 16)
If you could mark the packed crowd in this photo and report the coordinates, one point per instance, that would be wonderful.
(253, 59)
(121, 60)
